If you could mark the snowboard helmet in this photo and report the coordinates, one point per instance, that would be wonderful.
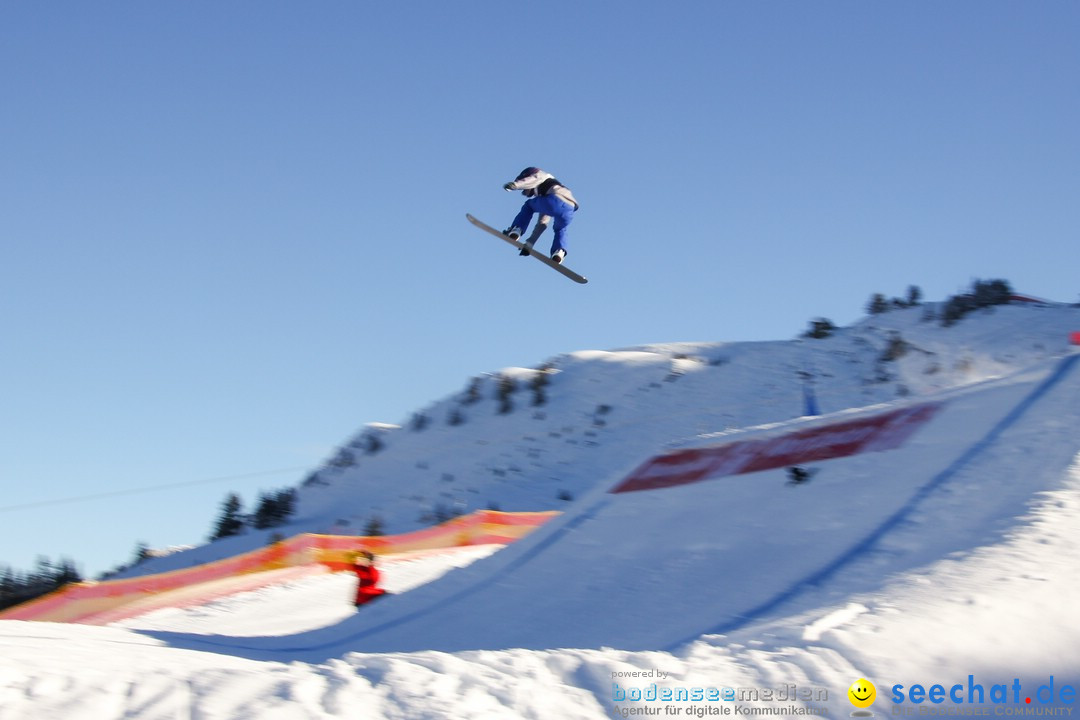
(532, 177)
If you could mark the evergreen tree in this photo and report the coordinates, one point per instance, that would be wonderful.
(274, 509)
(439, 514)
(504, 390)
(820, 328)
(344, 459)
(538, 384)
(142, 553)
(984, 293)
(895, 348)
(287, 503)
(472, 394)
(231, 521)
(9, 587)
(66, 573)
(266, 513)
(42, 575)
(374, 527)
(18, 587)
(371, 443)
(877, 304)
(991, 292)
(955, 308)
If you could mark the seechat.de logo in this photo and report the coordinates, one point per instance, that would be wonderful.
(976, 693)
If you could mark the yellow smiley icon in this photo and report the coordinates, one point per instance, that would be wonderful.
(862, 693)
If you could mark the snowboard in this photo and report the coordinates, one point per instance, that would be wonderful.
(520, 246)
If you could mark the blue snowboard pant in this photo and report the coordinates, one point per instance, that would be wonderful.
(562, 214)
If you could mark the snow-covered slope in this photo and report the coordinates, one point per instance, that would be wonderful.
(605, 411)
(950, 557)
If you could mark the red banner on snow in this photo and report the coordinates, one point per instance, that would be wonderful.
(867, 434)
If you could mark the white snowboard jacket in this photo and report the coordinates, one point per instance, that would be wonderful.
(542, 183)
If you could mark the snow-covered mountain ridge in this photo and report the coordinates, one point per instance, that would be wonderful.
(537, 439)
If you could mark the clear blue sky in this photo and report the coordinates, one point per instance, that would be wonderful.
(233, 233)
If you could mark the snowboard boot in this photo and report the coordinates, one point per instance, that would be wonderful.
(513, 232)
(557, 256)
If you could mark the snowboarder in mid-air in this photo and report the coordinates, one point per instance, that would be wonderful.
(552, 200)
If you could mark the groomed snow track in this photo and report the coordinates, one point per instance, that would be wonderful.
(632, 569)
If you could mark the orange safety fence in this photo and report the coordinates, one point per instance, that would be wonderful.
(98, 603)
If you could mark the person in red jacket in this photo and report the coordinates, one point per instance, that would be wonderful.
(367, 576)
